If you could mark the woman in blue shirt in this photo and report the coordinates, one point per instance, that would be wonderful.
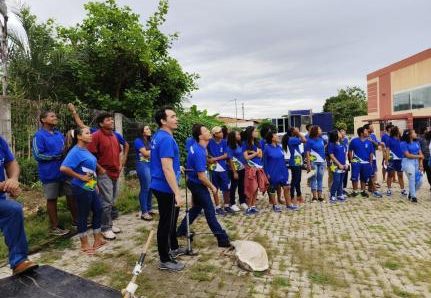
(412, 162)
(315, 152)
(236, 169)
(276, 171)
(392, 160)
(295, 163)
(142, 146)
(337, 153)
(80, 164)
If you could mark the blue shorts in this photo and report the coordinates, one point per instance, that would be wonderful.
(394, 165)
(220, 180)
(273, 187)
(361, 171)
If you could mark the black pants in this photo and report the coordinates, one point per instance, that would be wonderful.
(295, 184)
(166, 231)
(234, 184)
(427, 170)
(345, 179)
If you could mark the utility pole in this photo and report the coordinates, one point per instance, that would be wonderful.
(242, 107)
(236, 113)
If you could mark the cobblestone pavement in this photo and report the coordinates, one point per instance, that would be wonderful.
(359, 248)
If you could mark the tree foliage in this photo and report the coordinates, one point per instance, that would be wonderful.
(109, 61)
(349, 103)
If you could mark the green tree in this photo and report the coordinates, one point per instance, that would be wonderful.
(349, 103)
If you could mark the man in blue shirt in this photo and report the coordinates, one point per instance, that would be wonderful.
(372, 187)
(217, 156)
(11, 215)
(360, 155)
(198, 183)
(48, 150)
(165, 174)
(385, 139)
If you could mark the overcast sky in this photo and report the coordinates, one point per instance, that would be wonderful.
(277, 55)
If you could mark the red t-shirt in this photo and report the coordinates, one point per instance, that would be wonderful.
(106, 148)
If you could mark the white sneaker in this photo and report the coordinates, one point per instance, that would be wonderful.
(109, 235)
(244, 206)
(235, 208)
(116, 230)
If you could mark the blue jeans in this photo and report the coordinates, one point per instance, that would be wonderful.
(316, 182)
(202, 200)
(295, 184)
(86, 201)
(144, 174)
(411, 167)
(12, 226)
(337, 184)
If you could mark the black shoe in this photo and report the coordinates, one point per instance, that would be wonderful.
(409, 197)
(354, 194)
(321, 199)
(365, 194)
(224, 244)
(414, 200)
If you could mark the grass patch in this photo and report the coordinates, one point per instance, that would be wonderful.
(280, 282)
(401, 293)
(203, 272)
(97, 268)
(377, 228)
(392, 265)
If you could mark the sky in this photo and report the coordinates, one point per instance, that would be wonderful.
(277, 55)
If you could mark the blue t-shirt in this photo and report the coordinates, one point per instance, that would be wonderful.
(316, 147)
(139, 144)
(262, 144)
(394, 146)
(82, 161)
(189, 142)
(295, 151)
(196, 161)
(218, 149)
(48, 150)
(361, 150)
(6, 157)
(345, 142)
(385, 138)
(256, 160)
(236, 156)
(339, 151)
(163, 145)
(274, 164)
(412, 148)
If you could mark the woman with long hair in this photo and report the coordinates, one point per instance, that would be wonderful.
(236, 169)
(315, 152)
(80, 164)
(255, 178)
(143, 151)
(412, 162)
(294, 143)
(337, 152)
(392, 160)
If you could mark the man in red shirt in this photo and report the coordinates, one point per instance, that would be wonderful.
(106, 148)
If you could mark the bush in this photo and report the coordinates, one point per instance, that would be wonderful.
(29, 175)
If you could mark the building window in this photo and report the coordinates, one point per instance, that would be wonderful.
(414, 99)
(402, 101)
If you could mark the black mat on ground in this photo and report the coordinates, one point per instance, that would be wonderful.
(46, 281)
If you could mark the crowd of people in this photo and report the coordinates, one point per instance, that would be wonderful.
(221, 166)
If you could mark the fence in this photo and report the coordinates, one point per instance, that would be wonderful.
(25, 122)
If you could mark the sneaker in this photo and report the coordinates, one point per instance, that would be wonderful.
(249, 211)
(235, 208)
(116, 229)
(220, 211)
(255, 210)
(377, 194)
(404, 192)
(244, 206)
(292, 208)
(146, 216)
(409, 197)
(333, 200)
(59, 232)
(414, 200)
(365, 194)
(354, 194)
(341, 198)
(171, 266)
(228, 210)
(109, 235)
(389, 192)
(276, 208)
(225, 244)
(174, 253)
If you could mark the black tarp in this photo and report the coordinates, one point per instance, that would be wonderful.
(47, 281)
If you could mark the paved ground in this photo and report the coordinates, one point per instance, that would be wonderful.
(360, 248)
